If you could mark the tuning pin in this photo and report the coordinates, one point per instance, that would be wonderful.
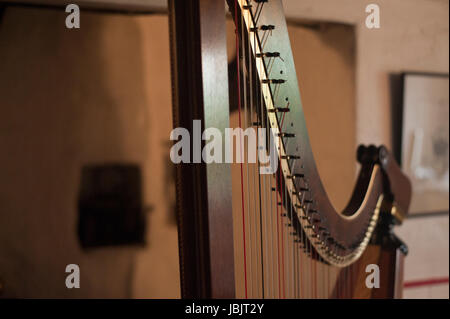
(264, 27)
(294, 176)
(268, 54)
(281, 134)
(267, 27)
(273, 81)
(289, 157)
(279, 110)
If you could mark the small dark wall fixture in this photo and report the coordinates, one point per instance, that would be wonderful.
(110, 206)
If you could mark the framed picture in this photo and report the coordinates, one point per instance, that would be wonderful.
(425, 140)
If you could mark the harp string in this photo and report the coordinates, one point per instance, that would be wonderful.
(268, 194)
(293, 256)
(262, 184)
(279, 252)
(256, 190)
(347, 281)
(242, 140)
(241, 149)
(274, 264)
(283, 216)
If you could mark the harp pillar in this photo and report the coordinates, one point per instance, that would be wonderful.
(204, 205)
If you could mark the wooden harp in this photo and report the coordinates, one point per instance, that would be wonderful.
(293, 244)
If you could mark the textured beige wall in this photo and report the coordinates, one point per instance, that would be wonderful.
(69, 98)
(427, 240)
(325, 62)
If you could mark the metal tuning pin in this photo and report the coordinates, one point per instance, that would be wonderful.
(289, 157)
(283, 134)
(273, 81)
(266, 27)
(294, 176)
(268, 54)
(279, 110)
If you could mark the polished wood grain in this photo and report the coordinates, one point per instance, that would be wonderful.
(199, 76)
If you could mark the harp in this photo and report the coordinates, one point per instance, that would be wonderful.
(291, 241)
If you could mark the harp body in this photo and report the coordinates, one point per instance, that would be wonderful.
(324, 252)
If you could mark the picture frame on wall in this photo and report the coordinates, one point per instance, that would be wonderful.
(424, 140)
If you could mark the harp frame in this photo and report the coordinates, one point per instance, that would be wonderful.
(204, 210)
(200, 91)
